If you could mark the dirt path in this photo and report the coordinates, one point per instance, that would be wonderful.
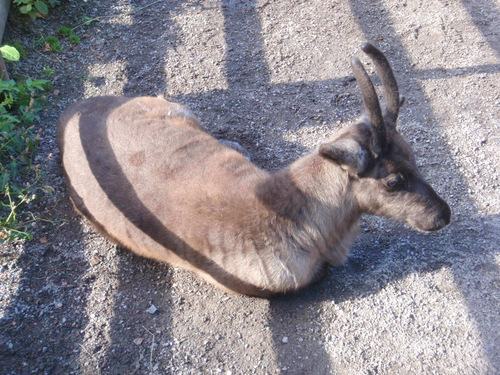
(275, 77)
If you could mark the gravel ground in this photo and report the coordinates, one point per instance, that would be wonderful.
(275, 77)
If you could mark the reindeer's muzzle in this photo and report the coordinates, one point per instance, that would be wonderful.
(434, 219)
(442, 219)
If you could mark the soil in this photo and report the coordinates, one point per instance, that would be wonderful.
(275, 77)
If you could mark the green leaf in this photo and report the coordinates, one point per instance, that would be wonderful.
(10, 53)
(42, 7)
(37, 84)
(88, 20)
(33, 14)
(25, 8)
(4, 179)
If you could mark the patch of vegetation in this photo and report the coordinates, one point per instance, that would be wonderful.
(48, 71)
(20, 105)
(50, 43)
(74, 39)
(20, 48)
(10, 53)
(35, 8)
(68, 33)
(64, 31)
(21, 102)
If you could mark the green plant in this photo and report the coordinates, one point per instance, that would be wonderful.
(20, 48)
(10, 53)
(74, 39)
(20, 104)
(67, 33)
(48, 71)
(50, 43)
(88, 20)
(64, 31)
(35, 8)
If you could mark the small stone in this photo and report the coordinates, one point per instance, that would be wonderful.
(284, 340)
(152, 309)
(138, 341)
(44, 239)
(96, 259)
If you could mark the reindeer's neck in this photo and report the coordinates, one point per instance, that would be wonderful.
(312, 199)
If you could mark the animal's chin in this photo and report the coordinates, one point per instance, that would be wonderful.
(427, 227)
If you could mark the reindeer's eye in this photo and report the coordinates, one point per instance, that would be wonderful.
(395, 181)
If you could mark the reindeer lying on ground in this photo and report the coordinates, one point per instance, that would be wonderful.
(147, 175)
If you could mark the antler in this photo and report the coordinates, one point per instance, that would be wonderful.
(384, 69)
(372, 105)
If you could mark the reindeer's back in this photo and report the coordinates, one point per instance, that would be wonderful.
(145, 173)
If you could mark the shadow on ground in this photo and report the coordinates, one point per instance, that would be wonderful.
(379, 258)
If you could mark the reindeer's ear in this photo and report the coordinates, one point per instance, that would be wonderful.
(348, 153)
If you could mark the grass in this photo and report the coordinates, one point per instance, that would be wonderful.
(21, 102)
(52, 43)
(20, 105)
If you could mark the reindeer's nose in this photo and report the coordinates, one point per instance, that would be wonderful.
(443, 218)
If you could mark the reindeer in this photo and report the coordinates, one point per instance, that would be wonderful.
(148, 176)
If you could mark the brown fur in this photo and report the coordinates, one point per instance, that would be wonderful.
(149, 177)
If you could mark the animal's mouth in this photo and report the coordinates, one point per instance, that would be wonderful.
(435, 223)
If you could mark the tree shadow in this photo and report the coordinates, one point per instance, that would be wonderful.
(247, 70)
(252, 99)
(485, 15)
(370, 29)
(142, 305)
(41, 327)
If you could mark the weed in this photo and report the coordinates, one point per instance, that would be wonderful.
(20, 104)
(50, 43)
(53, 44)
(88, 20)
(74, 39)
(64, 31)
(48, 71)
(67, 33)
(18, 46)
(10, 53)
(35, 8)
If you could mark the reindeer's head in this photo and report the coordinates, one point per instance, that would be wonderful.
(380, 163)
